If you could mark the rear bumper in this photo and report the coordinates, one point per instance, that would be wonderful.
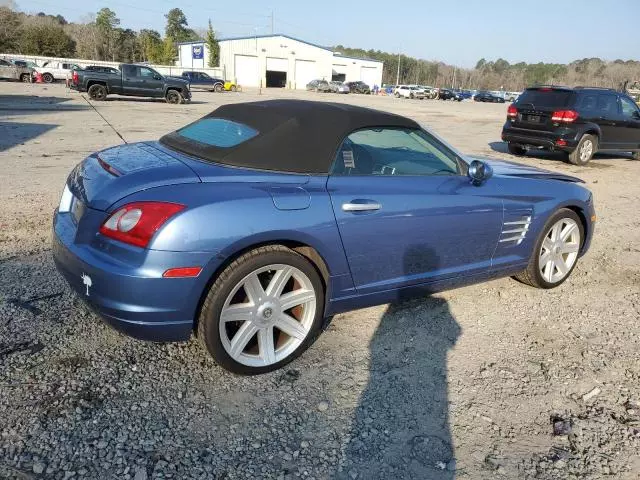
(132, 298)
(541, 138)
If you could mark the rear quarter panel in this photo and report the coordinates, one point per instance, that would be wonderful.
(228, 218)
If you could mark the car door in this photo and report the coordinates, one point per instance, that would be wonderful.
(609, 120)
(406, 211)
(143, 81)
(631, 122)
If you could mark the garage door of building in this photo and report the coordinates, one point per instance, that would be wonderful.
(277, 64)
(369, 75)
(246, 68)
(305, 72)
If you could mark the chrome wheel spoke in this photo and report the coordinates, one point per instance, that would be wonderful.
(561, 266)
(253, 289)
(548, 270)
(266, 345)
(242, 337)
(236, 313)
(547, 244)
(545, 257)
(278, 281)
(555, 231)
(295, 298)
(291, 327)
(567, 230)
(569, 248)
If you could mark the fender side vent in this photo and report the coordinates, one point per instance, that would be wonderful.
(515, 231)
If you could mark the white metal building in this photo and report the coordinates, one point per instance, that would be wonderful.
(280, 61)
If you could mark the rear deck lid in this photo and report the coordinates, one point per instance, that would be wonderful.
(105, 177)
(536, 106)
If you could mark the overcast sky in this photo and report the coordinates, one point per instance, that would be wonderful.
(458, 32)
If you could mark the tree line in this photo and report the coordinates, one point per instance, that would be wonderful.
(499, 74)
(101, 37)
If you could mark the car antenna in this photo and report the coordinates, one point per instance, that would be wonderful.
(106, 121)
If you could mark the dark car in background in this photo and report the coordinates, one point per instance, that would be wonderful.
(202, 81)
(487, 97)
(130, 80)
(579, 121)
(358, 87)
(447, 94)
(319, 85)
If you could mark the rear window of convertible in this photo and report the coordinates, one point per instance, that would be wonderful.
(218, 132)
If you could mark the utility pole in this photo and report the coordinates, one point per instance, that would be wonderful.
(271, 22)
(398, 74)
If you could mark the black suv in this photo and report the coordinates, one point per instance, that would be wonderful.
(358, 87)
(580, 121)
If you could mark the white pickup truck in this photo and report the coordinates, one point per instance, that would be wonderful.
(52, 71)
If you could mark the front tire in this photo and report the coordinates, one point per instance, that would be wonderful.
(263, 311)
(174, 97)
(556, 251)
(25, 78)
(635, 155)
(585, 150)
(218, 87)
(517, 150)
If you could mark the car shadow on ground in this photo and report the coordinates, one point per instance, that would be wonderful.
(501, 147)
(36, 104)
(142, 100)
(14, 133)
(401, 427)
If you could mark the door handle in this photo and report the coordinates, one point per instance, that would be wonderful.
(360, 207)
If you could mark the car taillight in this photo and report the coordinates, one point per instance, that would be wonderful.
(75, 77)
(566, 116)
(512, 112)
(137, 222)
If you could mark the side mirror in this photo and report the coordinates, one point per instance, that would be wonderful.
(636, 115)
(157, 77)
(479, 172)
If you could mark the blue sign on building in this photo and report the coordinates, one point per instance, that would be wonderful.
(197, 52)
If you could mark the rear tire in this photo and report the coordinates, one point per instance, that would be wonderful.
(97, 93)
(517, 150)
(635, 155)
(218, 87)
(234, 88)
(250, 280)
(47, 78)
(25, 78)
(174, 97)
(587, 147)
(544, 247)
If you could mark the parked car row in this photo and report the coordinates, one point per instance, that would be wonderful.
(335, 86)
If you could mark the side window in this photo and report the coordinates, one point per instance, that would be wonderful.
(129, 70)
(394, 151)
(588, 103)
(4, 63)
(607, 104)
(629, 108)
(146, 72)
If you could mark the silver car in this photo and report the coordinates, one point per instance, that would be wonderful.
(339, 87)
(14, 72)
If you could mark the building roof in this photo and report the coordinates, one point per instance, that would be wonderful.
(295, 136)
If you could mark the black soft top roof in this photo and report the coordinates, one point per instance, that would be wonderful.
(294, 135)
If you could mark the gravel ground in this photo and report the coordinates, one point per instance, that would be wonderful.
(497, 380)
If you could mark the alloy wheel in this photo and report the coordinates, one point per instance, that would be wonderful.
(267, 315)
(586, 150)
(559, 250)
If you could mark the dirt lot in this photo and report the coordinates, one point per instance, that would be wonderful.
(471, 383)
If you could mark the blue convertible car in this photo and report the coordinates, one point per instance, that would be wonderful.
(255, 224)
